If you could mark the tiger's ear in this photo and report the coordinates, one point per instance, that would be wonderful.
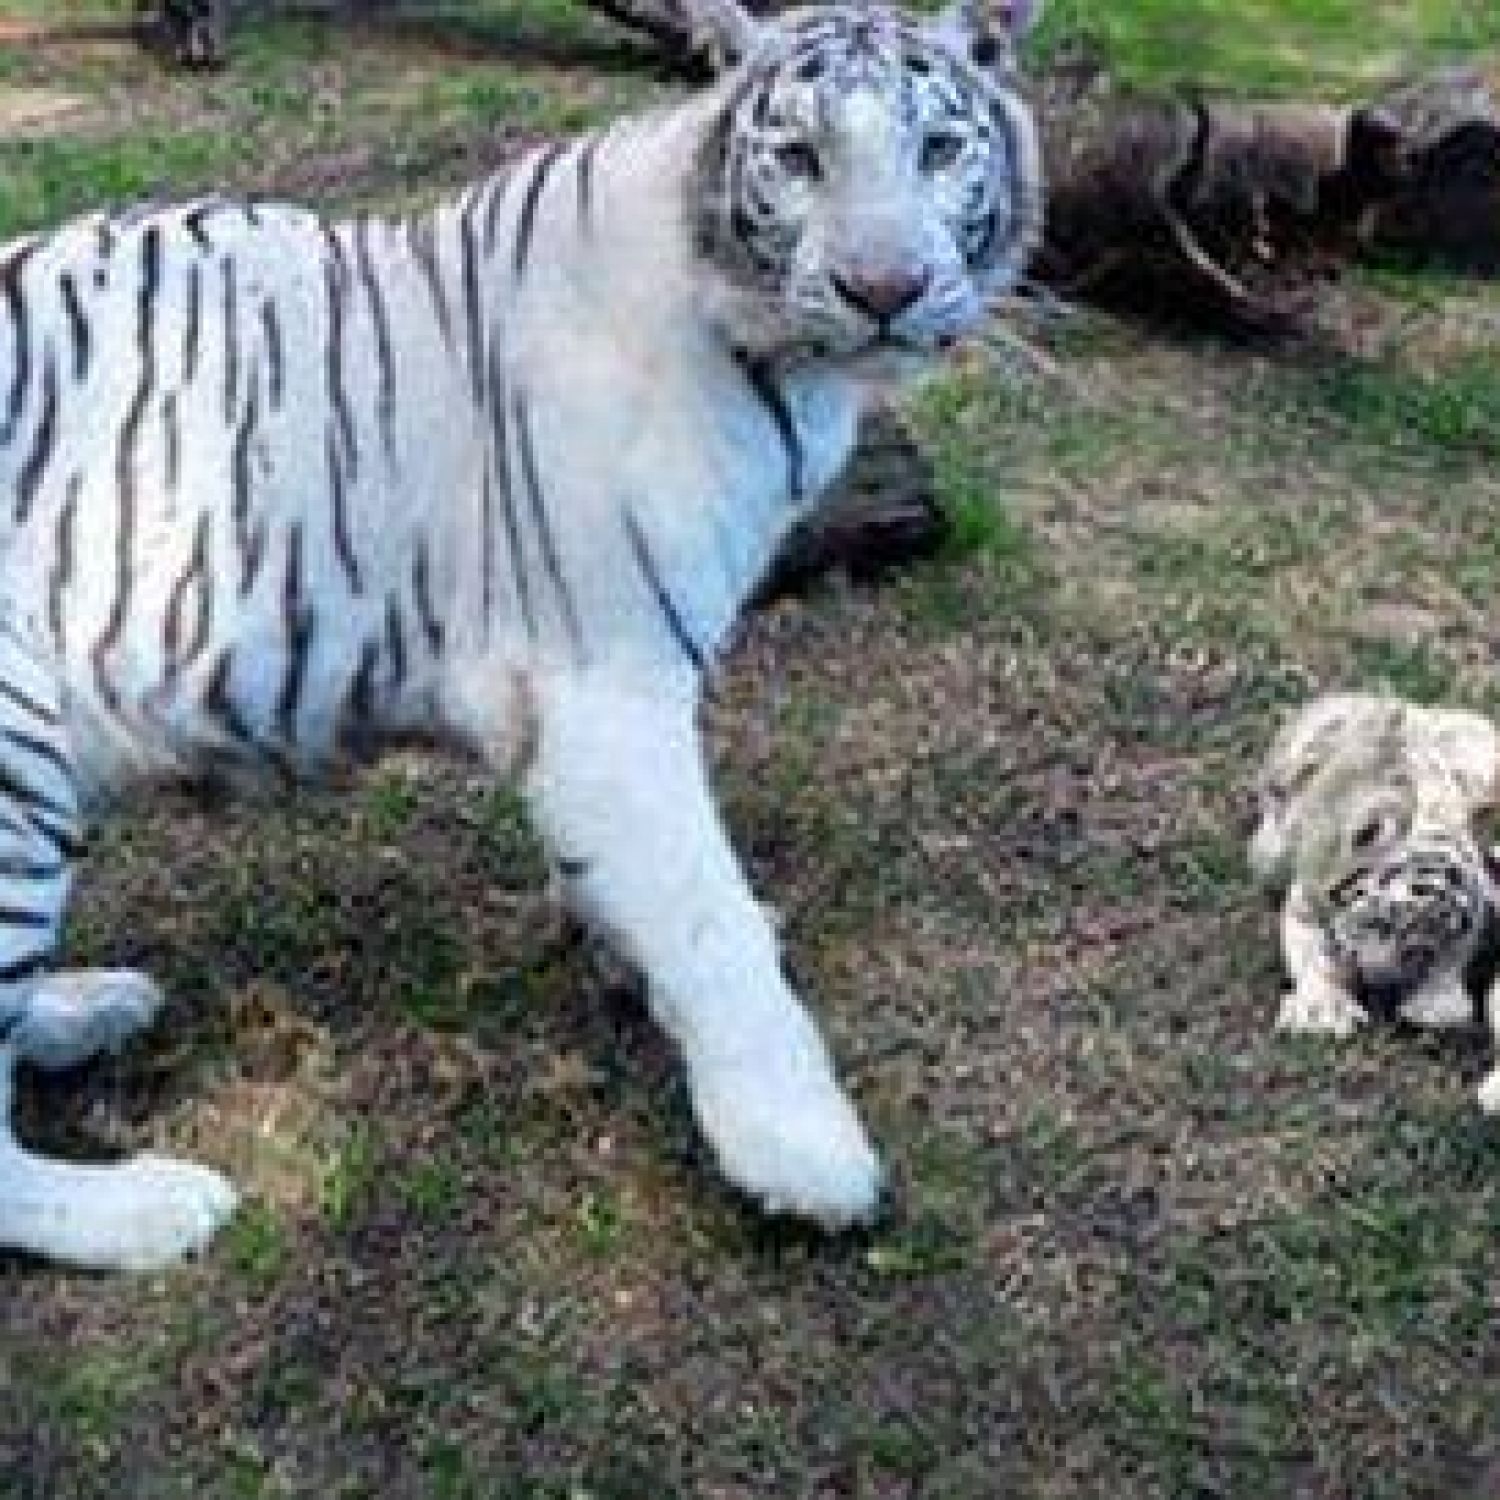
(985, 31)
(722, 30)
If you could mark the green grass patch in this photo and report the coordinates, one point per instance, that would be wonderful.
(1269, 46)
(349, 1178)
(44, 181)
(256, 1242)
(431, 1190)
(1451, 415)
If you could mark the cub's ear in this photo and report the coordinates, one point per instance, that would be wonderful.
(985, 31)
(723, 30)
(1471, 746)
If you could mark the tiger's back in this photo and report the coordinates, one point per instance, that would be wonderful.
(205, 431)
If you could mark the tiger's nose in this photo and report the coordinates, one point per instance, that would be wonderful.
(881, 294)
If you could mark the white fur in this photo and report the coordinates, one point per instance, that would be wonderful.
(1407, 773)
(612, 360)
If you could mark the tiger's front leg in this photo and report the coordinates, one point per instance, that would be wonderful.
(131, 1215)
(620, 793)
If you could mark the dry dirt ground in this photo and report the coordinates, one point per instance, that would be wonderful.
(1144, 1249)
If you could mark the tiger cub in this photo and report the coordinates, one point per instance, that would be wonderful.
(1368, 806)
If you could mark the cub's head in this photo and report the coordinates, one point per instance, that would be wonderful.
(870, 182)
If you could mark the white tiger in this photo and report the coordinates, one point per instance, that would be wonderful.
(498, 477)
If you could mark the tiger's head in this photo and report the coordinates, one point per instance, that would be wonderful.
(870, 183)
(1368, 803)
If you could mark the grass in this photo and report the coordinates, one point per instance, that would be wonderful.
(1271, 46)
(1145, 1250)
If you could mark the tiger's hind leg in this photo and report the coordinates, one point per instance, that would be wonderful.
(129, 1215)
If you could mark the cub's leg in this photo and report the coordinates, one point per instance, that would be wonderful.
(1489, 1086)
(130, 1215)
(1318, 1001)
(619, 792)
(1441, 1002)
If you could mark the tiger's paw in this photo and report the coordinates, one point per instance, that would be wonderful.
(151, 1212)
(65, 1019)
(794, 1144)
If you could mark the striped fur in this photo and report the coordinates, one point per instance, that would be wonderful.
(278, 492)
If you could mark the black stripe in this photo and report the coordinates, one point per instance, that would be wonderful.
(585, 175)
(172, 439)
(14, 973)
(125, 477)
(218, 703)
(1006, 125)
(499, 190)
(62, 563)
(231, 340)
(487, 551)
(654, 581)
(35, 808)
(249, 539)
(39, 749)
(421, 236)
(337, 279)
(34, 470)
(526, 222)
(297, 619)
(470, 256)
(20, 916)
(275, 355)
(395, 641)
(194, 222)
(421, 583)
(15, 867)
(66, 839)
(15, 304)
(193, 325)
(763, 383)
(538, 500)
(78, 326)
(358, 711)
(28, 705)
(381, 323)
(339, 506)
(519, 574)
(197, 569)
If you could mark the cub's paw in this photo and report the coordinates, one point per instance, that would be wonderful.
(1489, 1093)
(1440, 1005)
(793, 1143)
(1319, 1010)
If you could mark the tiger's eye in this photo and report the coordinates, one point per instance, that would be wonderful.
(798, 159)
(941, 150)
